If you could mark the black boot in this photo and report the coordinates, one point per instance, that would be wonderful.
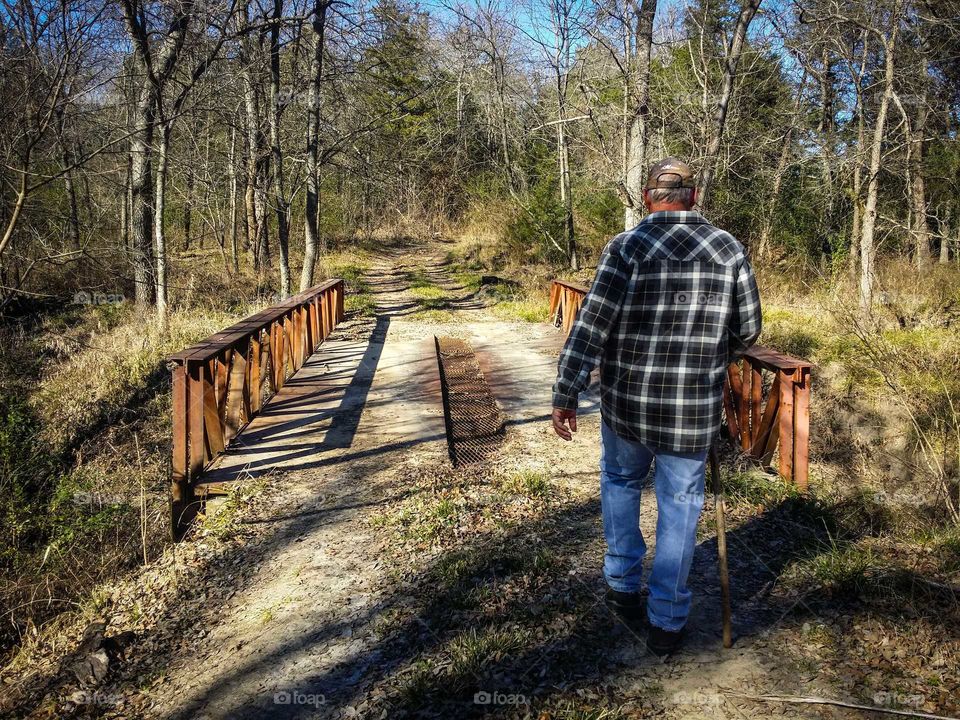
(630, 608)
(663, 642)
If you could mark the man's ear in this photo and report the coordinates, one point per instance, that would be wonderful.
(693, 198)
(646, 198)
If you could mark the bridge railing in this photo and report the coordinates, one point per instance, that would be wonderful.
(757, 422)
(221, 383)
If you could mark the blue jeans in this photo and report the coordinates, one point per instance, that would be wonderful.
(678, 481)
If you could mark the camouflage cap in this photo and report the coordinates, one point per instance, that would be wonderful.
(670, 173)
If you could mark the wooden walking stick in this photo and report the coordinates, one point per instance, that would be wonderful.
(721, 546)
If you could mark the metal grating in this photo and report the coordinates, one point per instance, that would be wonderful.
(475, 425)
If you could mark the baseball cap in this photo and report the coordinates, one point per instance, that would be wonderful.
(670, 172)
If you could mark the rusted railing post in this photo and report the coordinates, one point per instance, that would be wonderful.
(218, 384)
(755, 426)
(565, 301)
(785, 418)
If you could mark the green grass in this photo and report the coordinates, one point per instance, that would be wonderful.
(430, 297)
(470, 281)
(840, 569)
(417, 683)
(531, 483)
(755, 487)
(352, 274)
(424, 520)
(419, 279)
(472, 652)
(533, 310)
(224, 522)
(361, 303)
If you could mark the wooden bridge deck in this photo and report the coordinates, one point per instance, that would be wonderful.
(316, 416)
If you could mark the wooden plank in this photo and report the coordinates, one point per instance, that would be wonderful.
(195, 373)
(213, 430)
(223, 365)
(746, 377)
(286, 340)
(765, 455)
(180, 466)
(730, 409)
(327, 301)
(755, 403)
(276, 357)
(770, 359)
(312, 325)
(304, 335)
(572, 286)
(555, 291)
(236, 384)
(786, 424)
(255, 390)
(766, 423)
(296, 340)
(801, 429)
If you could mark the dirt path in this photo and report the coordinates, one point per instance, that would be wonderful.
(378, 582)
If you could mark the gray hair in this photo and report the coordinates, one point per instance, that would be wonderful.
(672, 195)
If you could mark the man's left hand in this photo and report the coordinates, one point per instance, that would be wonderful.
(560, 419)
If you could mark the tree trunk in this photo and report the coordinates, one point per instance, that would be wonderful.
(867, 249)
(770, 213)
(125, 208)
(188, 208)
(253, 195)
(734, 51)
(312, 170)
(635, 150)
(918, 193)
(279, 196)
(160, 237)
(783, 163)
(855, 226)
(945, 239)
(232, 177)
(825, 133)
(69, 187)
(566, 198)
(141, 191)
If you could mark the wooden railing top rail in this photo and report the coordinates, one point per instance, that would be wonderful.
(773, 360)
(235, 334)
(767, 358)
(573, 286)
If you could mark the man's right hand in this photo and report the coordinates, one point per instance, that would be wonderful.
(560, 419)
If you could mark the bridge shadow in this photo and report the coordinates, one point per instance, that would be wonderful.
(301, 409)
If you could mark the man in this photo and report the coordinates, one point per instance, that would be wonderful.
(674, 302)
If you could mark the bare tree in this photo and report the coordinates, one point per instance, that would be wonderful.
(155, 66)
(733, 52)
(318, 26)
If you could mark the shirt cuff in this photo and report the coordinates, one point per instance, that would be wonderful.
(564, 402)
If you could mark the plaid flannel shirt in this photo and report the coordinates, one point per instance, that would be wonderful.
(673, 303)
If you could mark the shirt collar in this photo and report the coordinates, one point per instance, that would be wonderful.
(683, 217)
